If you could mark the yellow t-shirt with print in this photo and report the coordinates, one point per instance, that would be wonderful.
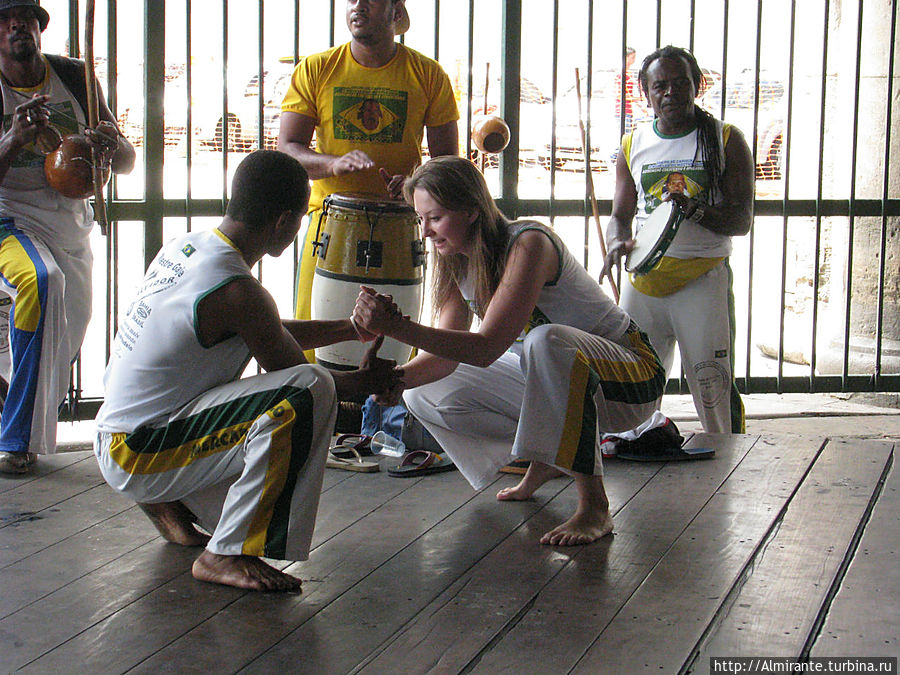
(381, 111)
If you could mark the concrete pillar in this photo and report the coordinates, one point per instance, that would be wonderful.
(874, 89)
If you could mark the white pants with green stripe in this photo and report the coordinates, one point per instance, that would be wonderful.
(548, 405)
(247, 458)
(700, 318)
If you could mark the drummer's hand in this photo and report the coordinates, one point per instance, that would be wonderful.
(355, 160)
(375, 313)
(394, 184)
(28, 118)
(685, 203)
(616, 250)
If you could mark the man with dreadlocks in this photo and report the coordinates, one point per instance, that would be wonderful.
(687, 298)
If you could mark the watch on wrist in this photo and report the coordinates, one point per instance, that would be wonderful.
(698, 213)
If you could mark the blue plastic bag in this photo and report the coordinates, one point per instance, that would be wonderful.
(388, 419)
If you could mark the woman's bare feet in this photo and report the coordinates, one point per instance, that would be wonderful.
(537, 474)
(581, 528)
(242, 571)
(592, 519)
(175, 522)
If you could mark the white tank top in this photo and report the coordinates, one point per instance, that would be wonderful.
(574, 298)
(658, 162)
(158, 364)
(24, 194)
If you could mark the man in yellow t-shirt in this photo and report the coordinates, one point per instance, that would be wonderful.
(369, 102)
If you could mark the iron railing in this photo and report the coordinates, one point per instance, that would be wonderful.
(816, 280)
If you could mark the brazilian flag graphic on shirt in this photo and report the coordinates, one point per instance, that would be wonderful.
(369, 114)
(661, 178)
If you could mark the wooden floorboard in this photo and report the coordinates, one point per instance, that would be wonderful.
(454, 628)
(775, 611)
(657, 629)
(369, 613)
(369, 538)
(529, 610)
(864, 617)
(426, 575)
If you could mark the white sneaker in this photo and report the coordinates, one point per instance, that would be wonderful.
(17, 462)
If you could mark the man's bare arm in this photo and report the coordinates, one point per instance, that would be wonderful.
(443, 139)
(321, 332)
(294, 138)
(244, 308)
(619, 239)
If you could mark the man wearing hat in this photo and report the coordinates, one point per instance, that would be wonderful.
(45, 254)
(335, 93)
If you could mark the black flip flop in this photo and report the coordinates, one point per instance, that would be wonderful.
(351, 446)
(421, 463)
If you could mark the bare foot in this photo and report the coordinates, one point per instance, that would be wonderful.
(582, 528)
(175, 522)
(242, 571)
(537, 474)
(591, 520)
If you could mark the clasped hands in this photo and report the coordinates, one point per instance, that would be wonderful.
(373, 317)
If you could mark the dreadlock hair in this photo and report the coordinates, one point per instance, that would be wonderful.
(707, 134)
(457, 185)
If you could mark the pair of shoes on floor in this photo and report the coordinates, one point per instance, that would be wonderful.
(17, 462)
(660, 444)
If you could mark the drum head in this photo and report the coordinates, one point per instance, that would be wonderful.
(654, 238)
(364, 201)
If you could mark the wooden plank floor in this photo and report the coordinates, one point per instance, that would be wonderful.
(772, 548)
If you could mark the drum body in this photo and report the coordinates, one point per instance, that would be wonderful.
(654, 238)
(363, 239)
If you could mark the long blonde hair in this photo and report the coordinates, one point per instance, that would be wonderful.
(457, 185)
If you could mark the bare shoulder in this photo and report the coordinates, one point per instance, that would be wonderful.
(534, 253)
(232, 309)
(534, 241)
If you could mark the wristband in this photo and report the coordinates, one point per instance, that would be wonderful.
(697, 214)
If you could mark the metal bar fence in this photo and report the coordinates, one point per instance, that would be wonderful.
(540, 174)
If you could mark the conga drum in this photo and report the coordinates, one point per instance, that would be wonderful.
(365, 239)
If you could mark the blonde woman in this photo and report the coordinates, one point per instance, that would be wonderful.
(553, 361)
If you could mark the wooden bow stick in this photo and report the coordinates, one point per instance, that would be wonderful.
(93, 113)
(590, 180)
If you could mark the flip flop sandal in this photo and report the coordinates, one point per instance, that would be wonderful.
(355, 463)
(421, 463)
(517, 466)
(346, 446)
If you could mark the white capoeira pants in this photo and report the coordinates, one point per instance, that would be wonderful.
(549, 405)
(700, 318)
(246, 458)
(45, 306)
